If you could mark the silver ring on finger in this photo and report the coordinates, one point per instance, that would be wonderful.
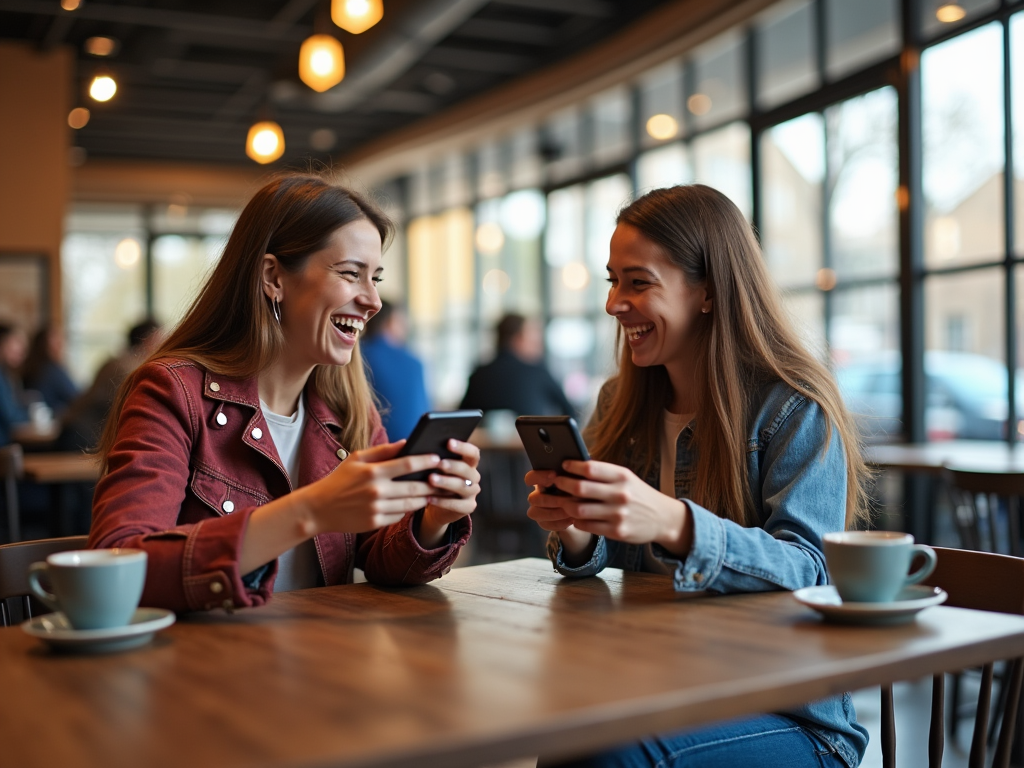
(468, 482)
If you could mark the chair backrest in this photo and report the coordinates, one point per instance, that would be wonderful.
(983, 581)
(15, 560)
(12, 460)
(980, 481)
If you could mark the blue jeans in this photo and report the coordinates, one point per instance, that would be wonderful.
(768, 741)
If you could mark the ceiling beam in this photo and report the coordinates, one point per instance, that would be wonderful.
(507, 31)
(229, 26)
(596, 8)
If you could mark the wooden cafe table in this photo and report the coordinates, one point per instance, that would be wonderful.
(490, 663)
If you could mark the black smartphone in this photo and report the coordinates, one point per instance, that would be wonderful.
(432, 433)
(550, 440)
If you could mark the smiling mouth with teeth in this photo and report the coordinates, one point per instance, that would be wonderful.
(637, 332)
(349, 325)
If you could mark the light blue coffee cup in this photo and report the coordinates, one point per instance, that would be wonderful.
(874, 566)
(94, 588)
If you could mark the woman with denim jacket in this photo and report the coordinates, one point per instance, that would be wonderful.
(722, 453)
(246, 456)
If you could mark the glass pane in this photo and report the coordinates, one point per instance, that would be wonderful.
(611, 116)
(663, 167)
(103, 275)
(863, 176)
(793, 161)
(180, 266)
(722, 161)
(490, 170)
(525, 167)
(719, 85)
(965, 361)
(860, 33)
(562, 144)
(786, 63)
(962, 91)
(564, 250)
(864, 342)
(938, 16)
(1017, 99)
(661, 104)
(807, 312)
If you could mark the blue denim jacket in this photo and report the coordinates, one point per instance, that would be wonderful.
(799, 492)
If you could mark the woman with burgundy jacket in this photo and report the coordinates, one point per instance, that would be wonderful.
(246, 455)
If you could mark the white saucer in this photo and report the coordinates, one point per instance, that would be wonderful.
(826, 601)
(55, 630)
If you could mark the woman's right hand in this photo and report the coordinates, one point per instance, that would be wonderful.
(362, 493)
(548, 511)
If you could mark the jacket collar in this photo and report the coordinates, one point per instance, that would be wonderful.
(246, 392)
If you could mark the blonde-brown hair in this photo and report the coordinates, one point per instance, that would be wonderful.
(745, 342)
(230, 327)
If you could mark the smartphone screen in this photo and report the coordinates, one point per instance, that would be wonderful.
(432, 433)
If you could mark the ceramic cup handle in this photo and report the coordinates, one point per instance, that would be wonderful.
(925, 570)
(48, 598)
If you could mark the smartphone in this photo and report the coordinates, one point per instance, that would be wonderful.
(550, 440)
(432, 433)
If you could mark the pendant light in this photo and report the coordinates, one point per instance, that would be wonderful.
(321, 62)
(948, 13)
(265, 142)
(356, 16)
(103, 87)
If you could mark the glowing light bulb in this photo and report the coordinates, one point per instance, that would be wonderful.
(78, 118)
(489, 237)
(662, 127)
(70, 5)
(575, 276)
(127, 253)
(699, 104)
(356, 16)
(950, 12)
(103, 88)
(321, 62)
(265, 142)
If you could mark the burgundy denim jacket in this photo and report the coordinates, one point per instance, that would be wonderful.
(193, 459)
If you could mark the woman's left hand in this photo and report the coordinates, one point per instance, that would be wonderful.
(445, 509)
(609, 500)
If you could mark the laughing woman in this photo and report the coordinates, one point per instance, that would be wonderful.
(722, 454)
(246, 456)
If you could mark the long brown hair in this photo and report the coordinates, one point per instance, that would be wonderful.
(745, 342)
(230, 328)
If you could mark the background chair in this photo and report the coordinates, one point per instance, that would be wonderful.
(12, 463)
(968, 578)
(980, 499)
(14, 562)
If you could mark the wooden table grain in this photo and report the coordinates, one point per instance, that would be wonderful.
(488, 664)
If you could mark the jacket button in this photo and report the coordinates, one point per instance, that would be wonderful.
(342, 454)
(216, 587)
(214, 386)
(257, 433)
(222, 418)
(228, 506)
(698, 577)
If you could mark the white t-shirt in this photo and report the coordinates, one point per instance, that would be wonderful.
(297, 568)
(672, 425)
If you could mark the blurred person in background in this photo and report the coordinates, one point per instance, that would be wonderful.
(394, 372)
(516, 379)
(85, 417)
(13, 346)
(44, 371)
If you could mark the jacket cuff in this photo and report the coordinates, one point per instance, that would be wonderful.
(590, 568)
(707, 555)
(210, 575)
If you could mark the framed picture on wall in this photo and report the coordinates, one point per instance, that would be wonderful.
(24, 289)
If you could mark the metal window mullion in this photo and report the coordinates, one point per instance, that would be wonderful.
(1010, 237)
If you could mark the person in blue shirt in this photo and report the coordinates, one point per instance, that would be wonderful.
(722, 455)
(12, 353)
(44, 371)
(395, 373)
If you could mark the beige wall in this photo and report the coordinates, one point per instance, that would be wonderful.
(35, 96)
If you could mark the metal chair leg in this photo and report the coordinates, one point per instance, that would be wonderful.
(936, 736)
(1012, 684)
(888, 729)
(978, 745)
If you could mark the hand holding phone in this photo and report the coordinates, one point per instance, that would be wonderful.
(432, 433)
(549, 441)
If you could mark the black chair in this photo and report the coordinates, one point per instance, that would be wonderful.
(968, 578)
(978, 497)
(14, 562)
(12, 463)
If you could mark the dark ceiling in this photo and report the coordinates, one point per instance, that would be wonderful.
(193, 75)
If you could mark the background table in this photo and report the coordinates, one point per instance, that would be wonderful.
(488, 664)
(930, 458)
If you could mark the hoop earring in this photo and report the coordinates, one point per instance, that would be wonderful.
(277, 310)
